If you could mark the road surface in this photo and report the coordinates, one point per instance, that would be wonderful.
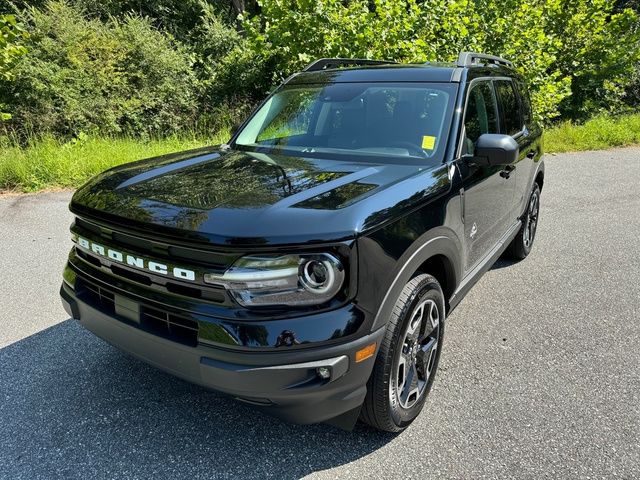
(539, 377)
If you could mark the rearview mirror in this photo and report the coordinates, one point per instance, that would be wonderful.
(497, 149)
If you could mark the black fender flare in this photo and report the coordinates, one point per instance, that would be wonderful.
(439, 241)
(538, 170)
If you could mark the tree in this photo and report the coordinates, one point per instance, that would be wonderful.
(577, 56)
(12, 37)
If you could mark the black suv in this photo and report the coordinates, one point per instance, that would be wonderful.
(307, 266)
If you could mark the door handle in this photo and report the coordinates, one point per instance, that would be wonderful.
(506, 173)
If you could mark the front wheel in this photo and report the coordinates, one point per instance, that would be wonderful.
(408, 357)
(521, 245)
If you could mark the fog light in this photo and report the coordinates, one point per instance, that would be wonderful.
(324, 372)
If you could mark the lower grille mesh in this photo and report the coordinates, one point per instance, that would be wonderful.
(172, 327)
(98, 297)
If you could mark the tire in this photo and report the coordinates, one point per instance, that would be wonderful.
(522, 244)
(391, 403)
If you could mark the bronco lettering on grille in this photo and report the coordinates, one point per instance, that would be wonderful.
(137, 262)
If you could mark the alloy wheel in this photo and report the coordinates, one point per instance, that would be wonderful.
(418, 354)
(531, 220)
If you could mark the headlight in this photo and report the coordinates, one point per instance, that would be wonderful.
(296, 280)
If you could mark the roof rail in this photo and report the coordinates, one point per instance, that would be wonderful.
(467, 59)
(325, 63)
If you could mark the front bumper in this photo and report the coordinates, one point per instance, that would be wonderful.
(283, 382)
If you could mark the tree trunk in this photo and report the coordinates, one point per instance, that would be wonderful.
(238, 6)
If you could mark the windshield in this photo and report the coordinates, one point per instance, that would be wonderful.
(403, 120)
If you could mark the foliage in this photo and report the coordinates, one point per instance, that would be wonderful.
(12, 37)
(598, 133)
(632, 93)
(631, 96)
(403, 30)
(137, 67)
(600, 50)
(214, 41)
(179, 17)
(560, 47)
(84, 75)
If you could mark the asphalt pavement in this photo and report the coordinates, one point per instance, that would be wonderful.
(539, 376)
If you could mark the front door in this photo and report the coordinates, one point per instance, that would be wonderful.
(488, 190)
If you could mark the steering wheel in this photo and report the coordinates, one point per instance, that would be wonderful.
(411, 147)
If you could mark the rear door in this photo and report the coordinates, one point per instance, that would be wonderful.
(488, 191)
(515, 116)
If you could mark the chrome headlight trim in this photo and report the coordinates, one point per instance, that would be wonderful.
(288, 280)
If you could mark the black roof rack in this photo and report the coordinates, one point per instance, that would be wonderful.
(324, 63)
(467, 59)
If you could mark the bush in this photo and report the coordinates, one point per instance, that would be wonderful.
(213, 42)
(96, 66)
(632, 93)
(12, 37)
(231, 75)
(600, 51)
(179, 17)
(84, 75)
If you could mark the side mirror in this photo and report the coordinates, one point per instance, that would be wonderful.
(496, 149)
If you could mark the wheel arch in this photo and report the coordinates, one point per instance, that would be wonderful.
(539, 176)
(437, 253)
(441, 267)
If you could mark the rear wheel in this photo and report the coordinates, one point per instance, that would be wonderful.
(523, 242)
(408, 357)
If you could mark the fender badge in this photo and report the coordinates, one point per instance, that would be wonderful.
(474, 230)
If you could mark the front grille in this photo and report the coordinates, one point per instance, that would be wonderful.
(123, 272)
(156, 251)
(163, 324)
(99, 297)
(172, 327)
(89, 258)
(216, 260)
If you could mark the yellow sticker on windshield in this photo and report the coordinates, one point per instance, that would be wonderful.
(428, 142)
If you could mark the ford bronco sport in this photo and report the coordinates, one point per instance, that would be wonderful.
(307, 266)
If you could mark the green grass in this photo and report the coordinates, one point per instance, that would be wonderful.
(51, 164)
(596, 134)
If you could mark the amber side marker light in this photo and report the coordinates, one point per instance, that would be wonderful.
(365, 352)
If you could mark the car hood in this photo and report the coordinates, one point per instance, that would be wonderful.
(229, 197)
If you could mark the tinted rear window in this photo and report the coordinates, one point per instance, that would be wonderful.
(511, 120)
(525, 102)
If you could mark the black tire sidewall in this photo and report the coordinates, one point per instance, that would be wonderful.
(517, 250)
(426, 290)
(527, 249)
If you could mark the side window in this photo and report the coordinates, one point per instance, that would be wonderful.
(481, 115)
(525, 102)
(511, 121)
(289, 115)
